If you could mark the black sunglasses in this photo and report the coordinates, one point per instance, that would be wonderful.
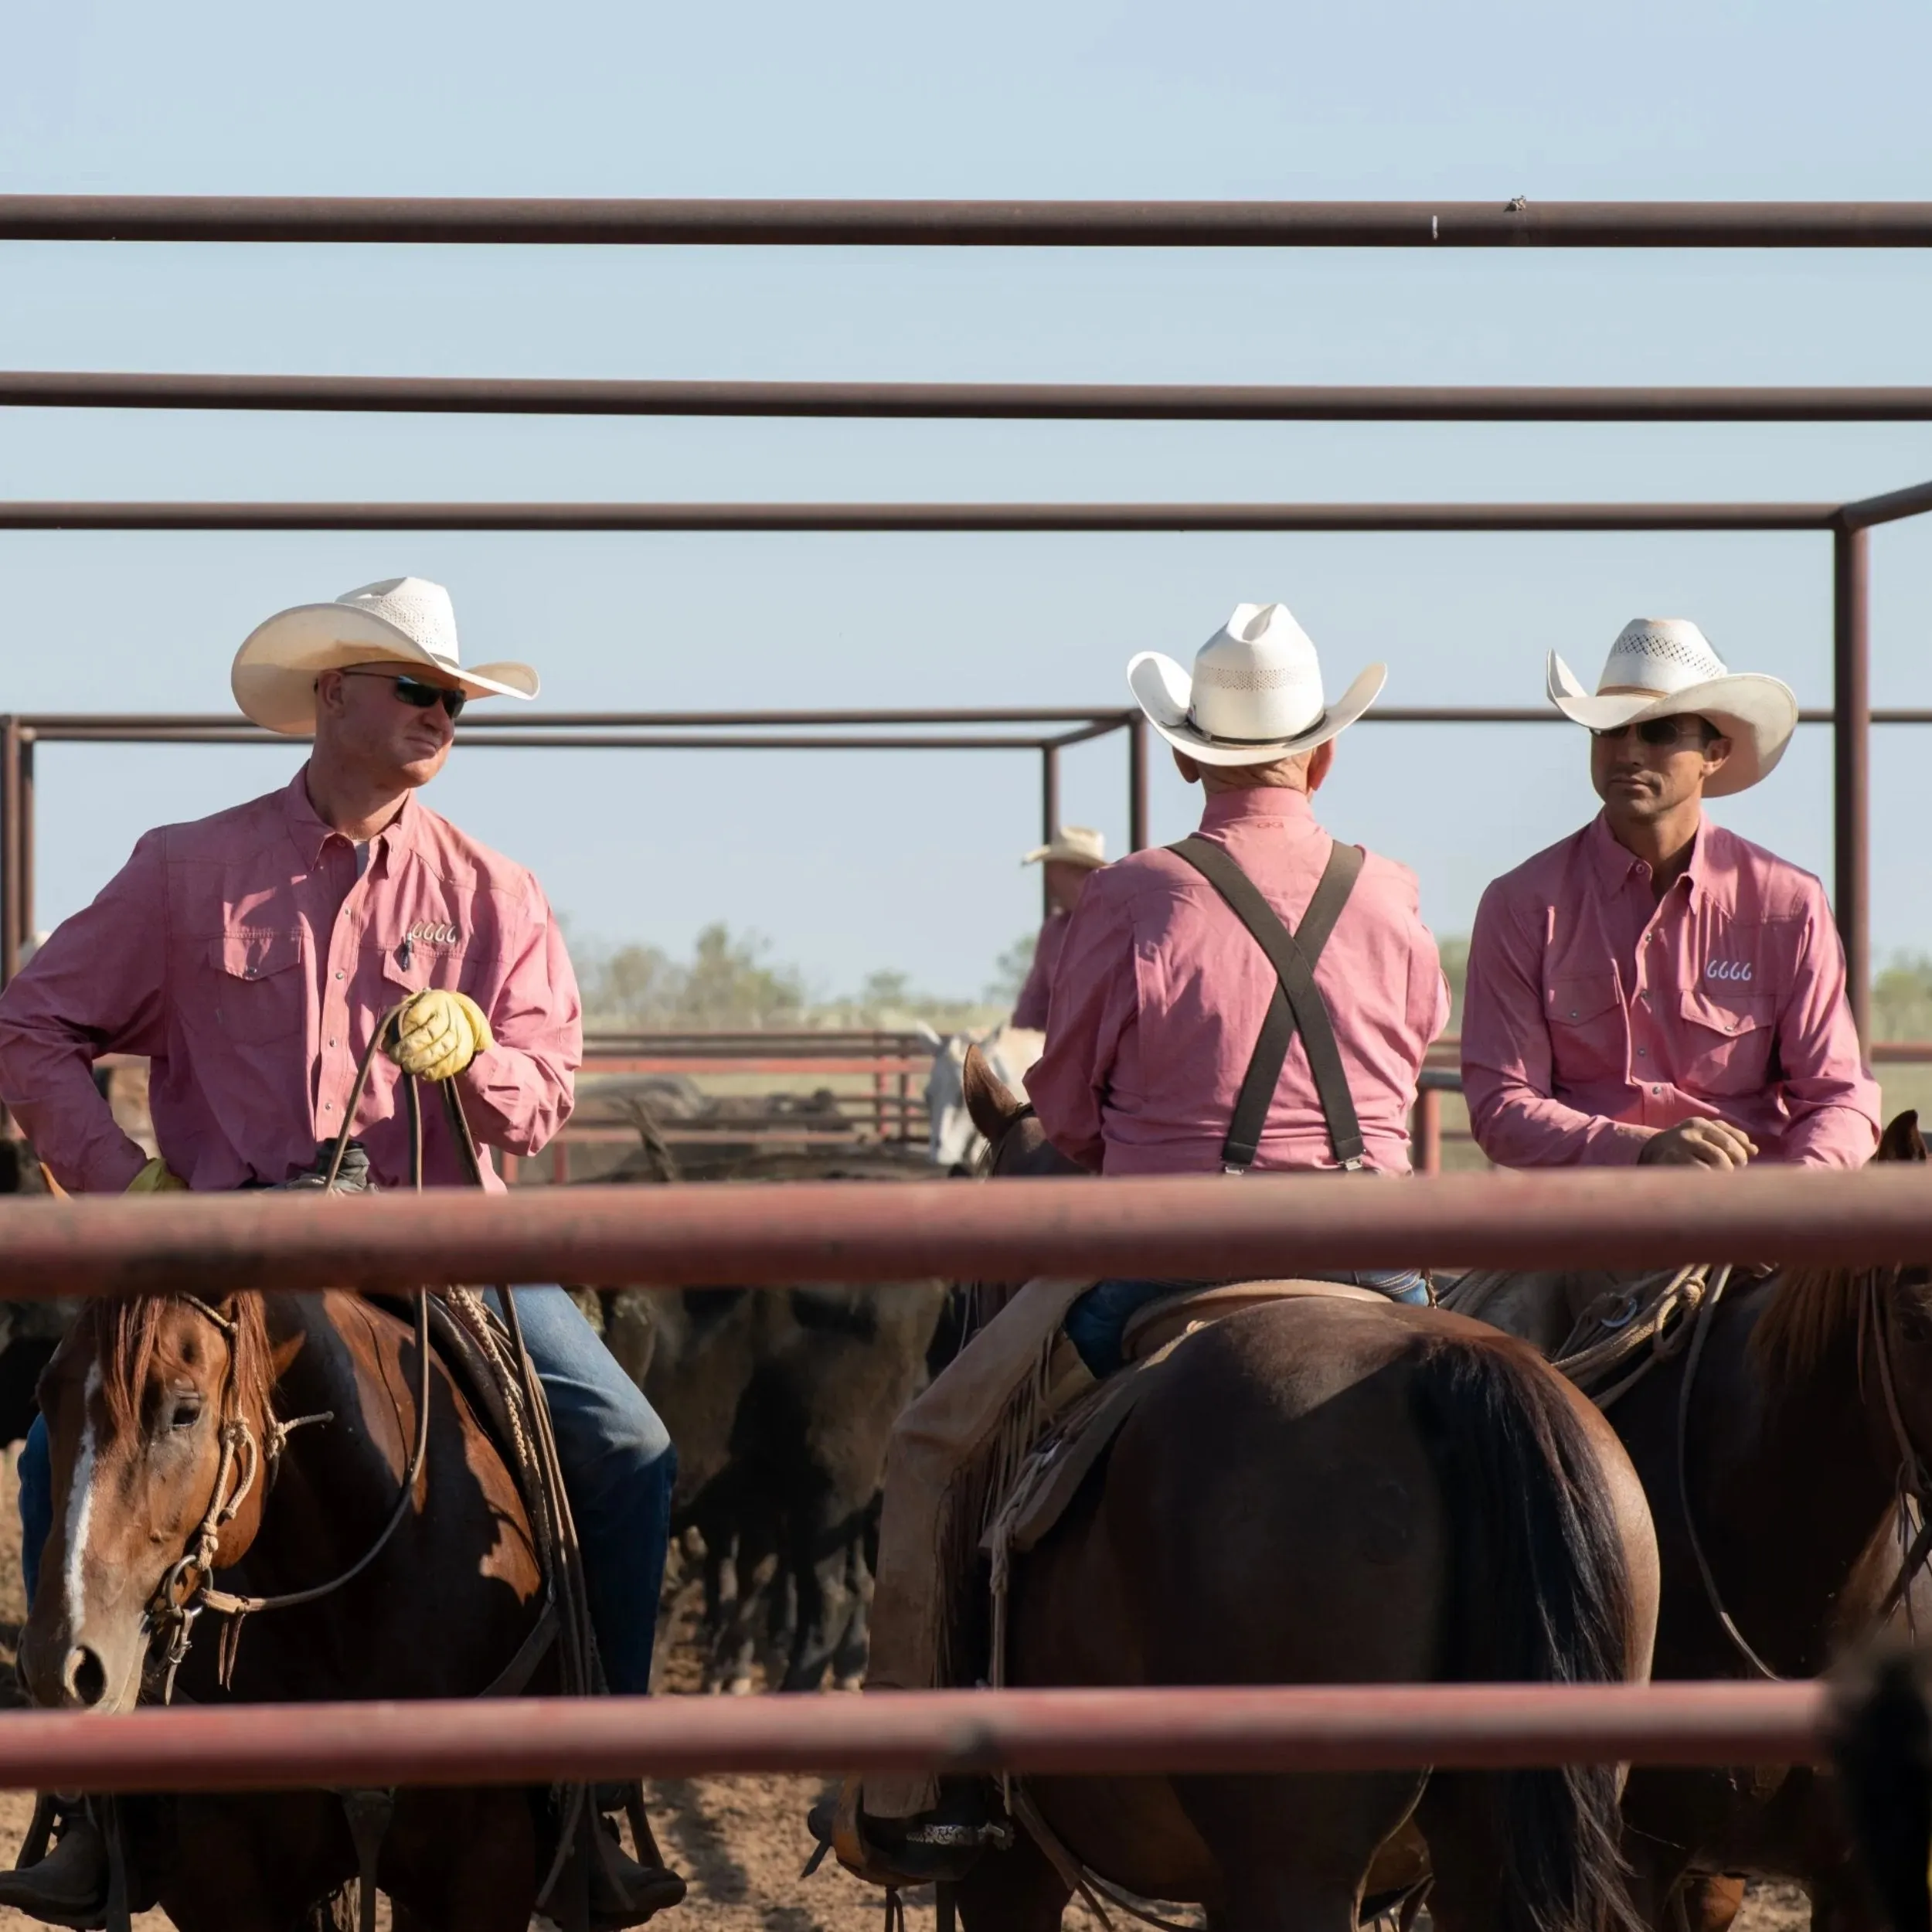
(416, 692)
(1658, 731)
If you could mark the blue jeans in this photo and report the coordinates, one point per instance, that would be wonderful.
(1097, 1323)
(618, 1467)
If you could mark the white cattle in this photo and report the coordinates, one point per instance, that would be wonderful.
(1010, 1050)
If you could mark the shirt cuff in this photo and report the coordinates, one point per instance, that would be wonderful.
(1623, 1146)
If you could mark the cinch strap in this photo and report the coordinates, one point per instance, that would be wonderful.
(1298, 1003)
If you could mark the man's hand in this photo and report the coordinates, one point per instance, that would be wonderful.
(1698, 1143)
(155, 1178)
(437, 1035)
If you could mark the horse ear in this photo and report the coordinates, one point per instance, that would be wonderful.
(992, 1105)
(1902, 1140)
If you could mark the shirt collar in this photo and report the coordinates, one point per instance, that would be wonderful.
(1616, 865)
(312, 836)
(1275, 802)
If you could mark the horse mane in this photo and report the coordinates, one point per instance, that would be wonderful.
(1810, 1308)
(123, 1333)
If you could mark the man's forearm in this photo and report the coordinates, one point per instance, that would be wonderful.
(516, 1101)
(1517, 1127)
(51, 1094)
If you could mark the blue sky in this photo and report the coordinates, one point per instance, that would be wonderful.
(851, 863)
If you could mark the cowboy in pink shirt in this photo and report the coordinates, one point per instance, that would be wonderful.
(1655, 988)
(1070, 858)
(252, 957)
(1158, 1060)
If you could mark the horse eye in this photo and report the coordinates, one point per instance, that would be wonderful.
(185, 1411)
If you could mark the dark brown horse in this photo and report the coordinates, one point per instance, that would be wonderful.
(1333, 1491)
(139, 1400)
(1794, 1457)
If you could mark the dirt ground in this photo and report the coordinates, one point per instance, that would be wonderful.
(740, 1841)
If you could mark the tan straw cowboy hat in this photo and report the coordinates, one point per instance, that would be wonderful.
(1255, 694)
(1664, 667)
(402, 620)
(1070, 845)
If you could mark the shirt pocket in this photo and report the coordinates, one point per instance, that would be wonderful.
(409, 967)
(258, 993)
(1588, 1036)
(1729, 1036)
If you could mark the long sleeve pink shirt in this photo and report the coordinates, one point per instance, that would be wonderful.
(1030, 1009)
(1159, 994)
(1597, 1016)
(244, 955)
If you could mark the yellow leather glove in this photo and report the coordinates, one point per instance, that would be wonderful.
(155, 1178)
(437, 1035)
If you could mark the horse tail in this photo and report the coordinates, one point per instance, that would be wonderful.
(1541, 1594)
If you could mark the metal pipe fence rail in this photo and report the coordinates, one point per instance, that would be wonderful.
(586, 223)
(1233, 1729)
(780, 1234)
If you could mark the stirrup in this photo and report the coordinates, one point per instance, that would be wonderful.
(940, 1852)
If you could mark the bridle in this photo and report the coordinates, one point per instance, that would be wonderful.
(1913, 1482)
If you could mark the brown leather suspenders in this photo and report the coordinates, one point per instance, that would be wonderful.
(1297, 1004)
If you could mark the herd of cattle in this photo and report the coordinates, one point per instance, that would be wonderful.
(780, 1403)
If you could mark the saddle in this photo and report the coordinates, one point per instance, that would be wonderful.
(1603, 1331)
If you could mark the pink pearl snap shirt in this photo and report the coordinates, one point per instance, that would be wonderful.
(1596, 1016)
(1031, 1007)
(245, 957)
(1159, 993)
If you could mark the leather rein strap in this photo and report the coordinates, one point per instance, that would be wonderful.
(1297, 1005)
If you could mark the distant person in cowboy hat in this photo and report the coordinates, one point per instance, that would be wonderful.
(1070, 858)
(251, 956)
(1655, 988)
(1157, 1062)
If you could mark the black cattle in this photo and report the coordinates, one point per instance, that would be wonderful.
(780, 1403)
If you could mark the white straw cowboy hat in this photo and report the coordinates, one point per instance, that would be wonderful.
(1664, 667)
(1255, 694)
(1070, 845)
(402, 620)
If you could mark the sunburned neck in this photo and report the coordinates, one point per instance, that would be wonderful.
(1664, 844)
(350, 802)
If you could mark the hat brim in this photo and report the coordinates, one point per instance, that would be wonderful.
(1758, 713)
(1062, 854)
(274, 672)
(1164, 691)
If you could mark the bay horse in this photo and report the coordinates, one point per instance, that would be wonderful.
(1332, 1491)
(1809, 1424)
(302, 1409)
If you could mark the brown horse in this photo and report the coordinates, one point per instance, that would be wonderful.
(1794, 1460)
(139, 1398)
(1332, 1492)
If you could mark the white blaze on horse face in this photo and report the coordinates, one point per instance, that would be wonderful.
(81, 1506)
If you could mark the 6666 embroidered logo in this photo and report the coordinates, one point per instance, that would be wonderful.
(1729, 969)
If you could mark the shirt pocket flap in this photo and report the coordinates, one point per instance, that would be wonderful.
(1575, 1002)
(249, 954)
(1732, 1010)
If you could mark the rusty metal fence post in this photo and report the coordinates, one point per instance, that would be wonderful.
(1050, 815)
(1852, 763)
(12, 845)
(1137, 784)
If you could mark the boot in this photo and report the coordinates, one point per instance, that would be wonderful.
(69, 1884)
(626, 1891)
